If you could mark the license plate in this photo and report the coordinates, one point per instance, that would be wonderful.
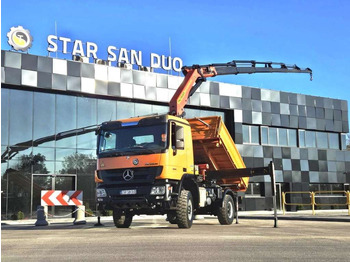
(128, 192)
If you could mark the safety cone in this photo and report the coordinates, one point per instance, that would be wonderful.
(80, 216)
(41, 216)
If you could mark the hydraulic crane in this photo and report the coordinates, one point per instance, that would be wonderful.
(197, 74)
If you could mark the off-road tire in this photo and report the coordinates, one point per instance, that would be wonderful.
(226, 213)
(122, 219)
(171, 218)
(184, 209)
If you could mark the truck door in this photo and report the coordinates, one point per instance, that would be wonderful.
(178, 164)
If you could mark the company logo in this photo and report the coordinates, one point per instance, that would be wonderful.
(19, 38)
(135, 161)
(128, 175)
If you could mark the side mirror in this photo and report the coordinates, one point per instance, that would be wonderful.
(177, 137)
(180, 144)
(173, 137)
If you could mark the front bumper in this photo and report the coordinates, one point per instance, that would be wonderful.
(135, 197)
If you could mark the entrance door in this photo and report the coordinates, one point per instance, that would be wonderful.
(41, 182)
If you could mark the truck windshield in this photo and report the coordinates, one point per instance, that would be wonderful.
(133, 140)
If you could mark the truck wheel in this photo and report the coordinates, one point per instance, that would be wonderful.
(171, 218)
(122, 219)
(227, 211)
(184, 209)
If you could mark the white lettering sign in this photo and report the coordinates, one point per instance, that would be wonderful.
(114, 54)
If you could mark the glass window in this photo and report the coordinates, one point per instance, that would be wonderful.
(143, 109)
(314, 187)
(245, 134)
(4, 116)
(264, 135)
(319, 139)
(302, 138)
(86, 112)
(282, 137)
(21, 116)
(19, 184)
(273, 136)
(203, 113)
(44, 117)
(322, 140)
(4, 185)
(106, 110)
(278, 136)
(337, 187)
(343, 141)
(47, 152)
(125, 110)
(191, 113)
(310, 139)
(254, 134)
(87, 116)
(325, 187)
(254, 189)
(160, 109)
(292, 137)
(333, 141)
(66, 119)
(85, 167)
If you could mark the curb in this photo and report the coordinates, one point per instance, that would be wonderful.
(301, 218)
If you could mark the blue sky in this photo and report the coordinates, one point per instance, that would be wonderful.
(314, 33)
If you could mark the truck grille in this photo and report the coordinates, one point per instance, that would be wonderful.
(142, 175)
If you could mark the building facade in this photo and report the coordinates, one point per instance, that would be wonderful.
(50, 107)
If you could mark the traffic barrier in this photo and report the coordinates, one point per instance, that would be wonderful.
(80, 216)
(61, 198)
(41, 216)
(313, 203)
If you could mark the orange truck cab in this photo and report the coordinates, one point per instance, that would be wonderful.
(141, 160)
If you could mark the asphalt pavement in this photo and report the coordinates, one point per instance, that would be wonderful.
(151, 238)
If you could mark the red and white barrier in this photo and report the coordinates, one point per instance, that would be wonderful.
(61, 198)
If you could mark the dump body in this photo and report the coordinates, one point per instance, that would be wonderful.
(213, 145)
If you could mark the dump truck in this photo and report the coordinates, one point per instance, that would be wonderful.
(169, 165)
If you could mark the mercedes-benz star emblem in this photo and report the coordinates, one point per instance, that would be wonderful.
(128, 175)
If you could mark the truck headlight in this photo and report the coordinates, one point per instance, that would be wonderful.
(101, 192)
(158, 190)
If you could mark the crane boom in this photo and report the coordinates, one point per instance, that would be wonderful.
(195, 75)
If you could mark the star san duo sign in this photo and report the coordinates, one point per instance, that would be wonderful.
(20, 39)
(121, 55)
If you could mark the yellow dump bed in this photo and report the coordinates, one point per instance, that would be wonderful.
(213, 145)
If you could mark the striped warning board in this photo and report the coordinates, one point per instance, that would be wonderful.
(61, 198)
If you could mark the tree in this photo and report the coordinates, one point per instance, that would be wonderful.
(16, 182)
(84, 166)
(79, 163)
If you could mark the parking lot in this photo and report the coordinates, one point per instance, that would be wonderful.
(154, 239)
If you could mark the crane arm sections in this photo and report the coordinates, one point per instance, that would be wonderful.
(197, 74)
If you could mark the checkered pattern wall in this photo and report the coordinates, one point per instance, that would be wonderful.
(250, 105)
